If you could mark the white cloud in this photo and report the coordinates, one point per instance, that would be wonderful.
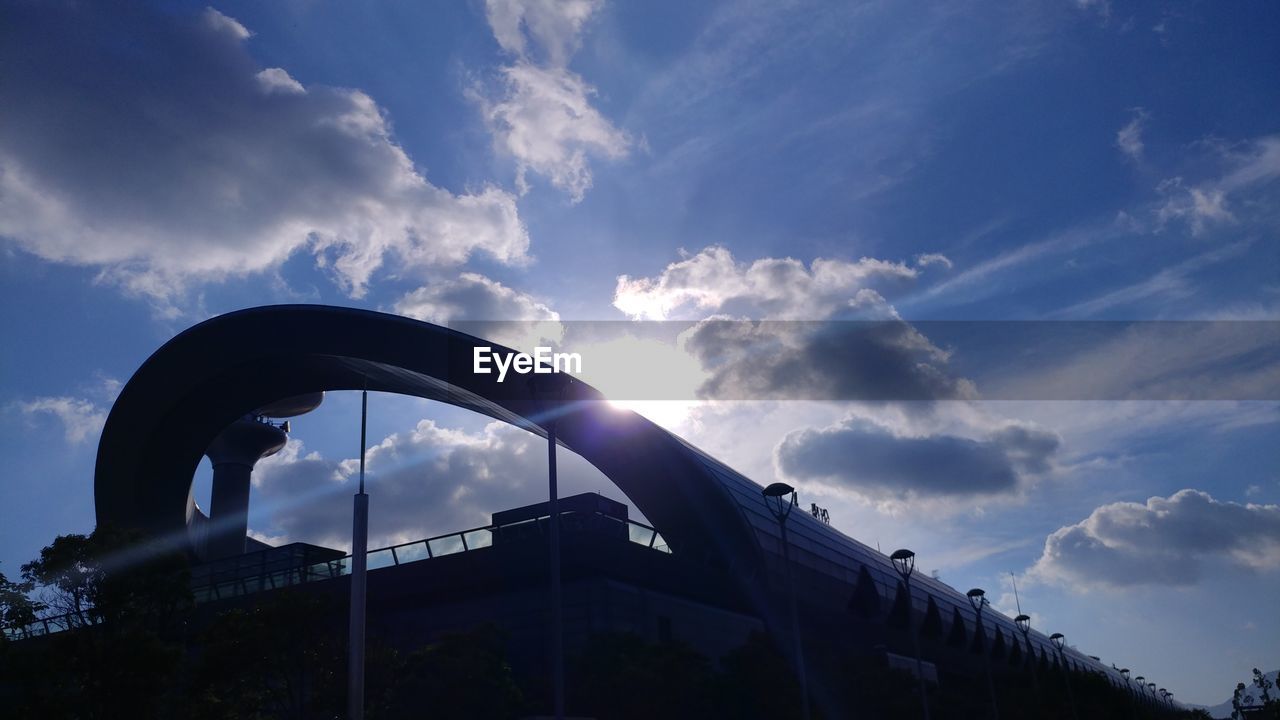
(427, 481)
(780, 288)
(1166, 541)
(553, 25)
(1129, 138)
(181, 160)
(81, 419)
(543, 116)
(486, 308)
(1247, 166)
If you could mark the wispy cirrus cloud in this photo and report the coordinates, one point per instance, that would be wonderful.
(81, 419)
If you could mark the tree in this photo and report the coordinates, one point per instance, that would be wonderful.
(128, 602)
(17, 609)
(459, 676)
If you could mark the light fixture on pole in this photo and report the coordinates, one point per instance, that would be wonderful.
(978, 601)
(549, 391)
(1023, 623)
(781, 499)
(1059, 642)
(1142, 687)
(904, 561)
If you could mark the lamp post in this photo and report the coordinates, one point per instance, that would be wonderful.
(1059, 641)
(1152, 688)
(1124, 673)
(548, 392)
(781, 500)
(978, 601)
(904, 561)
(1142, 687)
(1164, 695)
(1023, 623)
(359, 570)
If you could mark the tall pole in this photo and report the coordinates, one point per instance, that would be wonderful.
(781, 509)
(915, 644)
(991, 686)
(904, 561)
(795, 621)
(1060, 642)
(359, 562)
(557, 611)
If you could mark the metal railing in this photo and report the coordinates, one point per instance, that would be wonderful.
(395, 555)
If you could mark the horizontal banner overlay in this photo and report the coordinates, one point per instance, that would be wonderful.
(885, 360)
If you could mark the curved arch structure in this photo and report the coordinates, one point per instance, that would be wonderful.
(215, 372)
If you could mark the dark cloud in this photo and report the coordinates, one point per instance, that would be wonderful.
(871, 461)
(150, 144)
(1165, 541)
(428, 481)
(879, 360)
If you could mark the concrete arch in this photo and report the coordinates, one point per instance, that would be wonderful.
(215, 372)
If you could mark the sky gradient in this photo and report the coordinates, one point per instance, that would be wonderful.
(537, 163)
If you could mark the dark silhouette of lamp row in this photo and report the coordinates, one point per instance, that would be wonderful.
(781, 499)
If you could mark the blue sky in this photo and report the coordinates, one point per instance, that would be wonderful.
(586, 160)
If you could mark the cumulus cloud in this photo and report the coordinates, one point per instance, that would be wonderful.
(884, 360)
(478, 305)
(1129, 137)
(428, 481)
(151, 145)
(81, 419)
(872, 461)
(780, 288)
(542, 114)
(829, 335)
(1165, 541)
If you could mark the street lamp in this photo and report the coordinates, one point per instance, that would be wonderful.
(1142, 687)
(978, 601)
(359, 580)
(1023, 623)
(1164, 695)
(781, 500)
(1060, 641)
(904, 561)
(548, 391)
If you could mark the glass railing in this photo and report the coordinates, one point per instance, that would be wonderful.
(403, 554)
